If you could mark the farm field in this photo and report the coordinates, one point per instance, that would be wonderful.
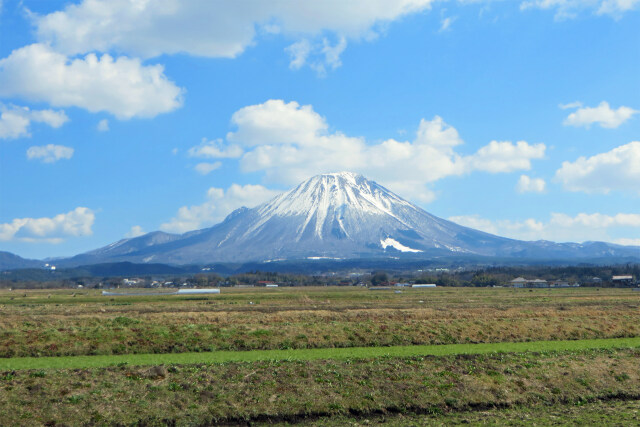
(348, 373)
(59, 323)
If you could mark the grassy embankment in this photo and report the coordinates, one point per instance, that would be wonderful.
(218, 357)
(269, 391)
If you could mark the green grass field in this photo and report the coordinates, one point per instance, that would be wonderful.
(83, 362)
(325, 356)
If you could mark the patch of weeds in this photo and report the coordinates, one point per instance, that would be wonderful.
(175, 386)
(124, 321)
(335, 407)
(261, 333)
(583, 381)
(621, 377)
(74, 400)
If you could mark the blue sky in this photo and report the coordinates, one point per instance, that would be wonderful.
(122, 117)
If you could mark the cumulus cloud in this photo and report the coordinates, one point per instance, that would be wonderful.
(504, 156)
(215, 28)
(561, 227)
(218, 205)
(77, 222)
(618, 169)
(215, 150)
(135, 231)
(15, 121)
(291, 142)
(566, 9)
(206, 168)
(121, 86)
(527, 184)
(603, 115)
(49, 153)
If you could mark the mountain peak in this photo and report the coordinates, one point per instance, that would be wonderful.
(331, 195)
(343, 174)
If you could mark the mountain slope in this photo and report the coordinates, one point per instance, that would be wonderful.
(9, 261)
(340, 215)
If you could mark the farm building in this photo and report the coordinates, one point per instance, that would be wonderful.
(521, 282)
(622, 280)
(518, 282)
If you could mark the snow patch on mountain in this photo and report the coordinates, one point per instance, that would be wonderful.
(396, 245)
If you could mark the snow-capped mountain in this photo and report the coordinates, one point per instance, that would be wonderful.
(337, 215)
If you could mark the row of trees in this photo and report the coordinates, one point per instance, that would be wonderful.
(479, 277)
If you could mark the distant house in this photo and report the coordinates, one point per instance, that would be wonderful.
(622, 280)
(538, 283)
(265, 282)
(521, 282)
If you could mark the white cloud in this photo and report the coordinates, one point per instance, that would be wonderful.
(277, 122)
(504, 156)
(596, 220)
(103, 125)
(561, 227)
(570, 105)
(299, 52)
(218, 205)
(627, 242)
(212, 28)
(49, 153)
(445, 23)
(332, 53)
(617, 7)
(15, 121)
(290, 142)
(205, 168)
(618, 169)
(135, 231)
(602, 115)
(566, 9)
(77, 222)
(319, 56)
(530, 185)
(215, 150)
(122, 86)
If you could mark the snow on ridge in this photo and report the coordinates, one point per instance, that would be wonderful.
(345, 197)
(328, 191)
(396, 245)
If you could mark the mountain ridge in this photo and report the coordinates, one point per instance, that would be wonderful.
(334, 216)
